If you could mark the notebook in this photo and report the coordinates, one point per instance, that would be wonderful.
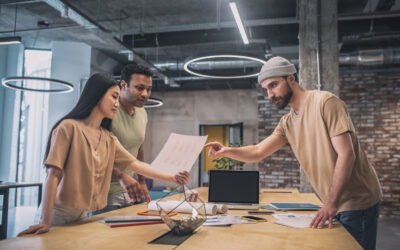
(294, 206)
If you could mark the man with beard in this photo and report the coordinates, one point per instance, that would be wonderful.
(129, 126)
(321, 134)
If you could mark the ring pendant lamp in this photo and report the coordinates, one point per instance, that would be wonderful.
(6, 82)
(153, 103)
(251, 58)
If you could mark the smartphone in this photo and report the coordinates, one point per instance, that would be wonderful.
(253, 218)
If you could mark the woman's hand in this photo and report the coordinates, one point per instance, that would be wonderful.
(182, 178)
(36, 229)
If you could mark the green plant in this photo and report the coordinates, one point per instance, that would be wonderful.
(226, 163)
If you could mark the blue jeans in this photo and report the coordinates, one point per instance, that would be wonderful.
(362, 225)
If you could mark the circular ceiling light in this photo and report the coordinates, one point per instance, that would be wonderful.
(153, 103)
(186, 66)
(6, 82)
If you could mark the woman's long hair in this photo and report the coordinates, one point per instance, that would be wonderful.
(96, 86)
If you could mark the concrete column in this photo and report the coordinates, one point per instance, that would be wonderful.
(318, 55)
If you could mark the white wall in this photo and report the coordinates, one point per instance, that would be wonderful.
(70, 62)
(184, 111)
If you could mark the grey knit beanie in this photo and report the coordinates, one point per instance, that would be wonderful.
(276, 66)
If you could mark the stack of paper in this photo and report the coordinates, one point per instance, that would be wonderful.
(295, 220)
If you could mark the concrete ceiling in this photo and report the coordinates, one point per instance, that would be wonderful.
(171, 31)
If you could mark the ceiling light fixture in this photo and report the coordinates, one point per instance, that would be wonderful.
(6, 82)
(13, 39)
(187, 64)
(153, 103)
(10, 40)
(239, 22)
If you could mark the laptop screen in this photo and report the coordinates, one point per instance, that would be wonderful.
(233, 186)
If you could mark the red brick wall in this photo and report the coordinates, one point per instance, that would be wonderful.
(373, 103)
(280, 170)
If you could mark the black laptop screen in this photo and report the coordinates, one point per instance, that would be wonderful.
(233, 186)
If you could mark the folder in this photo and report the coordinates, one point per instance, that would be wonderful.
(295, 206)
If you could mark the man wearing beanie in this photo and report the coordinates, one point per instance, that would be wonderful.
(321, 134)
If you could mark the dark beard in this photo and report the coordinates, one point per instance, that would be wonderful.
(286, 100)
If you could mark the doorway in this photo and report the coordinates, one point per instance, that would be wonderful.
(226, 134)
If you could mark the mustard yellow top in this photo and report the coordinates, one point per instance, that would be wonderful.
(309, 135)
(86, 170)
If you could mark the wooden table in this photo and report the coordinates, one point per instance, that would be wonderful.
(5, 190)
(90, 234)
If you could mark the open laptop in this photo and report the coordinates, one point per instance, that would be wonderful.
(236, 189)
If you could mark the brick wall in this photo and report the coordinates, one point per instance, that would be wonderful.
(373, 101)
(281, 169)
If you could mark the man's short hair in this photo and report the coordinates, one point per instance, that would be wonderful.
(130, 69)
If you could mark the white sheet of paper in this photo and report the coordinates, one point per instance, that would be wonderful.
(179, 153)
(295, 220)
(225, 219)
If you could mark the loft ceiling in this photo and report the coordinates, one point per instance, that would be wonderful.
(167, 33)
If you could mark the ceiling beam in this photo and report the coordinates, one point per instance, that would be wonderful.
(249, 23)
(208, 26)
(20, 3)
(75, 15)
(371, 5)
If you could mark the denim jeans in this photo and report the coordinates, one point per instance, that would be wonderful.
(362, 225)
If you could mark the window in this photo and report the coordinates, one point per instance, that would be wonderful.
(33, 130)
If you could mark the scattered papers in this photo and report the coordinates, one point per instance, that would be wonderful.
(225, 220)
(178, 153)
(295, 220)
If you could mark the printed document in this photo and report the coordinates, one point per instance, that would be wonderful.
(179, 153)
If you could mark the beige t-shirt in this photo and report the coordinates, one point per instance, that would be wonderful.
(130, 131)
(86, 171)
(309, 134)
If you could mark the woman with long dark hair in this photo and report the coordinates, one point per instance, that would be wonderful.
(80, 155)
